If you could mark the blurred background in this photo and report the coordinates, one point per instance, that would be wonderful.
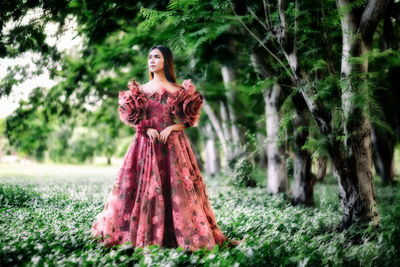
(63, 63)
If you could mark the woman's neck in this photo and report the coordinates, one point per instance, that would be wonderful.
(160, 78)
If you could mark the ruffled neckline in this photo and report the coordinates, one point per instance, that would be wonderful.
(159, 92)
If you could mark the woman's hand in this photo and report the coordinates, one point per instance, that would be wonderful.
(165, 133)
(153, 134)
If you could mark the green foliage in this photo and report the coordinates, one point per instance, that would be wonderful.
(47, 220)
(261, 85)
(286, 123)
(353, 5)
(153, 18)
(189, 25)
(182, 5)
(242, 172)
(26, 129)
(82, 144)
(383, 75)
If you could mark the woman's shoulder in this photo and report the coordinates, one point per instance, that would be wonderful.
(135, 88)
(175, 87)
(134, 92)
(189, 87)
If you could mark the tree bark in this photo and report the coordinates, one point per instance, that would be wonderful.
(277, 175)
(303, 185)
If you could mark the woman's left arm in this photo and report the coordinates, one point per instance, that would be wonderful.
(178, 126)
(167, 131)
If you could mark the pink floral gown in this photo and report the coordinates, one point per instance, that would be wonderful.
(159, 196)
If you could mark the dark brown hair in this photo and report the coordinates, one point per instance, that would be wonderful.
(168, 64)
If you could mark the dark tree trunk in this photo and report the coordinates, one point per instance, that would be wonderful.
(383, 152)
(303, 185)
(302, 188)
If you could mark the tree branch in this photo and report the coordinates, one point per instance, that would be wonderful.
(262, 44)
(370, 18)
(258, 19)
(266, 13)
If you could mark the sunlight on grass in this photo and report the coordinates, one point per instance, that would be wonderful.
(65, 171)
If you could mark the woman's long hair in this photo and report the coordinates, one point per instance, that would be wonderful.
(168, 64)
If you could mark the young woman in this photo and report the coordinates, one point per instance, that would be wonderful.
(159, 196)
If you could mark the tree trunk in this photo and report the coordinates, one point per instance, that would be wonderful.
(303, 185)
(217, 125)
(225, 121)
(322, 166)
(212, 162)
(277, 179)
(229, 118)
(277, 175)
(260, 68)
(262, 157)
(229, 78)
(354, 174)
(383, 152)
(302, 189)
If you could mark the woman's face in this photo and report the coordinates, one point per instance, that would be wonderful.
(155, 60)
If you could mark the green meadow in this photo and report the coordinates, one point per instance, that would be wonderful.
(46, 212)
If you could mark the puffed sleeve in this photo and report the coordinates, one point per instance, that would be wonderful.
(132, 106)
(187, 104)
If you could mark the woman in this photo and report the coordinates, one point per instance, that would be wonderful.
(159, 196)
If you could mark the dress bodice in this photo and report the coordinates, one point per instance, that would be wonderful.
(160, 108)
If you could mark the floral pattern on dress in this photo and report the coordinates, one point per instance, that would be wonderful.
(159, 196)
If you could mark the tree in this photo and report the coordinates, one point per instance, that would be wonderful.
(354, 167)
(352, 156)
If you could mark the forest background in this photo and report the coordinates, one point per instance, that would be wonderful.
(300, 107)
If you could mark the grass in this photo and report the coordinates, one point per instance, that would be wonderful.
(46, 212)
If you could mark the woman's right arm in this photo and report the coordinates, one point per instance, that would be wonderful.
(133, 126)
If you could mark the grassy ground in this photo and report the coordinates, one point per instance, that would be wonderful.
(46, 212)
